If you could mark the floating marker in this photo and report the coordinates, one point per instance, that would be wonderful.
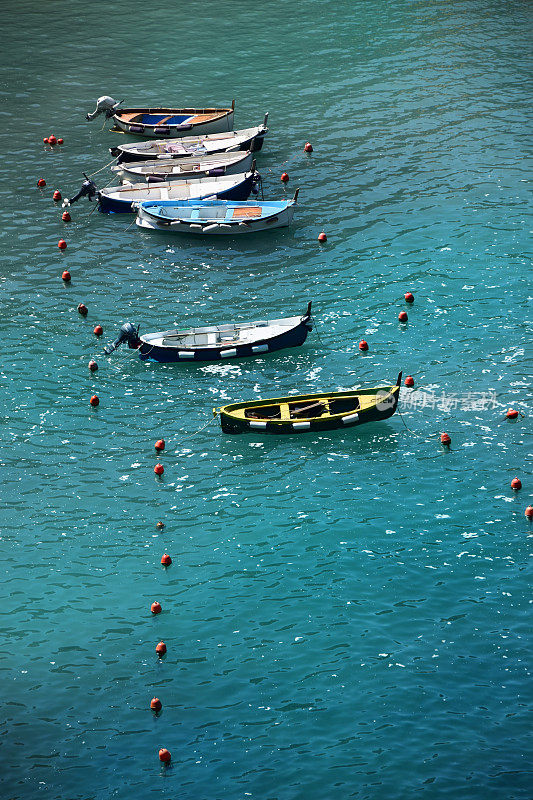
(402, 316)
(159, 469)
(512, 413)
(160, 525)
(445, 439)
(66, 276)
(409, 298)
(52, 140)
(308, 147)
(410, 381)
(94, 401)
(363, 345)
(529, 512)
(166, 560)
(156, 608)
(83, 310)
(62, 244)
(93, 366)
(164, 755)
(98, 331)
(160, 445)
(284, 177)
(45, 140)
(60, 141)
(161, 649)
(41, 182)
(65, 216)
(56, 196)
(156, 704)
(516, 484)
(322, 237)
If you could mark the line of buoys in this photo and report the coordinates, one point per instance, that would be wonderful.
(95, 400)
(322, 237)
(166, 560)
(66, 276)
(93, 366)
(159, 469)
(516, 484)
(156, 608)
(363, 345)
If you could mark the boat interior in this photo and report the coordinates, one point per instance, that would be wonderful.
(165, 118)
(304, 409)
(231, 334)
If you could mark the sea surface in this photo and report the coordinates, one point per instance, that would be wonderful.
(347, 615)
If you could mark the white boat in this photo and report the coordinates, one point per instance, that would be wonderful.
(246, 139)
(215, 217)
(119, 199)
(178, 169)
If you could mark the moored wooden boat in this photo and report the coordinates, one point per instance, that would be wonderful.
(310, 412)
(215, 217)
(119, 199)
(217, 342)
(178, 169)
(156, 123)
(229, 141)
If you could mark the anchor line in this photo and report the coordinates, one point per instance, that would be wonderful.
(102, 168)
(209, 421)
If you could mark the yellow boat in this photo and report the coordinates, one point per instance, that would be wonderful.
(310, 412)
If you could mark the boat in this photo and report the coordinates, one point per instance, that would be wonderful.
(177, 169)
(119, 199)
(156, 123)
(310, 412)
(215, 216)
(230, 141)
(217, 342)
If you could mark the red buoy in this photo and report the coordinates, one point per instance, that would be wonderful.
(402, 316)
(93, 366)
(66, 276)
(98, 331)
(529, 512)
(161, 649)
(409, 298)
(160, 525)
(60, 141)
(83, 310)
(45, 140)
(160, 445)
(166, 560)
(56, 196)
(516, 484)
(62, 244)
(159, 469)
(52, 140)
(322, 237)
(41, 182)
(156, 704)
(445, 439)
(308, 147)
(65, 216)
(363, 345)
(512, 413)
(155, 608)
(409, 381)
(284, 177)
(164, 755)
(94, 401)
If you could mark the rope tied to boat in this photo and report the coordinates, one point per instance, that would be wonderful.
(104, 167)
(209, 421)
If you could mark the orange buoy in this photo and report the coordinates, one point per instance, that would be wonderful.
(57, 196)
(94, 401)
(98, 331)
(83, 310)
(409, 381)
(529, 512)
(62, 244)
(160, 525)
(409, 298)
(155, 608)
(41, 182)
(512, 413)
(159, 469)
(308, 147)
(402, 316)
(66, 276)
(60, 141)
(160, 445)
(363, 345)
(166, 560)
(164, 755)
(284, 177)
(93, 366)
(65, 216)
(445, 439)
(322, 237)
(156, 704)
(516, 484)
(52, 140)
(161, 649)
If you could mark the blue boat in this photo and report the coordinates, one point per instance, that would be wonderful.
(119, 199)
(216, 342)
(214, 217)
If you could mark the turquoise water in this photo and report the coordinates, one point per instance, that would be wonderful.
(346, 614)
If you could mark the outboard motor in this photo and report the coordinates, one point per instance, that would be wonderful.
(128, 333)
(88, 189)
(256, 182)
(104, 105)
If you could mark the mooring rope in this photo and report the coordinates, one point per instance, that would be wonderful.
(102, 168)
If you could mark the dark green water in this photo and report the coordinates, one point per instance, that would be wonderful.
(346, 615)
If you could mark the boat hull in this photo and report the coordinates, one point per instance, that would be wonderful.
(355, 413)
(120, 201)
(202, 167)
(158, 123)
(280, 219)
(294, 337)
